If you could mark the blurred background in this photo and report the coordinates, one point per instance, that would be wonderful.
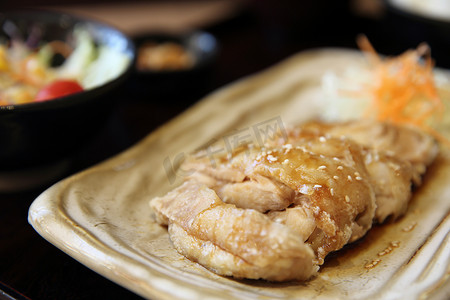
(252, 35)
(296, 24)
(278, 28)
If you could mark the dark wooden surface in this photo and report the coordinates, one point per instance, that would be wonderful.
(260, 36)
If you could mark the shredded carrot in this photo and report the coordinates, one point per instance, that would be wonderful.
(403, 90)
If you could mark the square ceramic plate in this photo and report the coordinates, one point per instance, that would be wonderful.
(101, 216)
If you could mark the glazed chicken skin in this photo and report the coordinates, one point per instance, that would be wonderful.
(404, 142)
(327, 189)
(294, 179)
(229, 240)
(275, 213)
(395, 156)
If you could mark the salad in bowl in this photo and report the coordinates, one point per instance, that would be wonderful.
(60, 77)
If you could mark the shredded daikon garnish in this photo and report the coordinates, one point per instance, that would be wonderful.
(403, 89)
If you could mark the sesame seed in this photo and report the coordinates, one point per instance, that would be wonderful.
(395, 244)
(357, 173)
(349, 178)
(409, 227)
(317, 186)
(347, 198)
(340, 168)
(271, 158)
(358, 178)
(385, 251)
(336, 177)
(322, 139)
(286, 161)
(321, 167)
(332, 192)
(336, 159)
(373, 264)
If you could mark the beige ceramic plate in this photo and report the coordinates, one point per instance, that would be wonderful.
(101, 216)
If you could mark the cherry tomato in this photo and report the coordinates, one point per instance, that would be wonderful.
(58, 88)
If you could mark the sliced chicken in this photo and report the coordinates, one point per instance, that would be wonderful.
(232, 241)
(343, 207)
(233, 185)
(390, 177)
(299, 218)
(275, 213)
(404, 142)
(395, 156)
(258, 192)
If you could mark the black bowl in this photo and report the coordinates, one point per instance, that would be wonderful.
(166, 84)
(38, 133)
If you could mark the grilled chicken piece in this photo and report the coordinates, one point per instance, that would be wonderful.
(298, 218)
(390, 177)
(395, 156)
(275, 213)
(343, 208)
(234, 186)
(342, 205)
(232, 241)
(259, 193)
(404, 142)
